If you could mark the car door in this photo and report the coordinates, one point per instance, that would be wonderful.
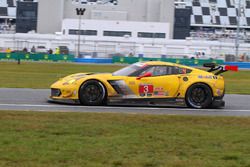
(161, 83)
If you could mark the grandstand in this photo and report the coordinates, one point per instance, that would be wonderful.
(217, 19)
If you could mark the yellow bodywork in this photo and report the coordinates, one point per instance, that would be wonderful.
(167, 86)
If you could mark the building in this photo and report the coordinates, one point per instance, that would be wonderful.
(103, 18)
(26, 16)
(59, 15)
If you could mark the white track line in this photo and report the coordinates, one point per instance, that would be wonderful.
(116, 107)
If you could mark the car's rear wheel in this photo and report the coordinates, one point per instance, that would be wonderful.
(92, 93)
(199, 96)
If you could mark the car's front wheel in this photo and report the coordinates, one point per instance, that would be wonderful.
(92, 93)
(199, 96)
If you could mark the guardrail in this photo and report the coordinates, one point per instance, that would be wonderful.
(36, 57)
(94, 60)
(244, 65)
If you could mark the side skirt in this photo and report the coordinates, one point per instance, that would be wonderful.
(167, 102)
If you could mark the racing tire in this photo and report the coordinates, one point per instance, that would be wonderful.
(92, 93)
(199, 96)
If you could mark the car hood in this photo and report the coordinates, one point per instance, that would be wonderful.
(74, 78)
(79, 76)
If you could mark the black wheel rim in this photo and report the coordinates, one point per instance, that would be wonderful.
(198, 96)
(92, 93)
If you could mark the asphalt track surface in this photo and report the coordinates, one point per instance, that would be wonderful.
(36, 100)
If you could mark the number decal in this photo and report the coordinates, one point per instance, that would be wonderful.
(146, 90)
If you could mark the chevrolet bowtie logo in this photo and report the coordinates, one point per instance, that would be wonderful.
(80, 11)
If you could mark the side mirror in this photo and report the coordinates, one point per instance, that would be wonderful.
(147, 74)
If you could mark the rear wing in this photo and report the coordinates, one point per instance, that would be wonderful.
(219, 68)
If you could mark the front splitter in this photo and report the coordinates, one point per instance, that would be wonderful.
(64, 101)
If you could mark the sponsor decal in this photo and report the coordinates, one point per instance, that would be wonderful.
(179, 100)
(149, 94)
(27, 56)
(159, 92)
(65, 57)
(146, 90)
(205, 77)
(8, 56)
(122, 59)
(129, 96)
(142, 94)
(46, 56)
(158, 89)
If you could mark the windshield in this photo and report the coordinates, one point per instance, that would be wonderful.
(129, 70)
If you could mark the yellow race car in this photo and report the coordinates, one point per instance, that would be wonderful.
(146, 83)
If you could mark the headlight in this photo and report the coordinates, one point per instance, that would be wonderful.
(69, 82)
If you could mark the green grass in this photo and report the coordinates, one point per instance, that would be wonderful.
(237, 82)
(31, 139)
(42, 75)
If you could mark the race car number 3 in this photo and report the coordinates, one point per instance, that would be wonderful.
(146, 89)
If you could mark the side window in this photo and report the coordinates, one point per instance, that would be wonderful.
(149, 69)
(160, 70)
(163, 70)
(173, 70)
(184, 71)
(156, 71)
